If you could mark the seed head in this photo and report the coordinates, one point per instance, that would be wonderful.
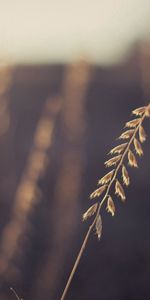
(110, 206)
(132, 160)
(106, 178)
(98, 192)
(98, 227)
(142, 134)
(113, 161)
(119, 190)
(90, 212)
(138, 147)
(133, 123)
(127, 134)
(139, 111)
(118, 149)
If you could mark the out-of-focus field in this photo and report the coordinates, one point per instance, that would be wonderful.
(57, 124)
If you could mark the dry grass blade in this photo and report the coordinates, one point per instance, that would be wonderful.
(106, 178)
(127, 134)
(98, 226)
(133, 123)
(138, 147)
(98, 192)
(90, 212)
(132, 160)
(118, 149)
(119, 190)
(142, 134)
(113, 161)
(125, 176)
(110, 206)
(139, 111)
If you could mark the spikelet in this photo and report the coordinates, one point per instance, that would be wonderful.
(139, 111)
(98, 192)
(98, 226)
(142, 134)
(113, 161)
(132, 159)
(90, 212)
(118, 149)
(138, 147)
(127, 134)
(148, 110)
(110, 206)
(119, 190)
(106, 178)
(125, 176)
(133, 123)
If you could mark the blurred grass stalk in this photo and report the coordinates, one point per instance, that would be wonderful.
(6, 73)
(144, 66)
(27, 191)
(69, 182)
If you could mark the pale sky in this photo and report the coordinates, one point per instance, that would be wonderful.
(61, 30)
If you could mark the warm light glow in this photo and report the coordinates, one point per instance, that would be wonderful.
(48, 31)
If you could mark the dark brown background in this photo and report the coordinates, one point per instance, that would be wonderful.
(117, 267)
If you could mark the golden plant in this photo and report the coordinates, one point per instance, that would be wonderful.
(133, 137)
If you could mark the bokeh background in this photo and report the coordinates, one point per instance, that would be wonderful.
(71, 72)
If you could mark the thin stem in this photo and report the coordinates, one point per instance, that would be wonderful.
(78, 260)
(98, 210)
(15, 293)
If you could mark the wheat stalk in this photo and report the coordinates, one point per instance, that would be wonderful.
(134, 136)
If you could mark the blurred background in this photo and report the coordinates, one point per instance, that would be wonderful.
(71, 72)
